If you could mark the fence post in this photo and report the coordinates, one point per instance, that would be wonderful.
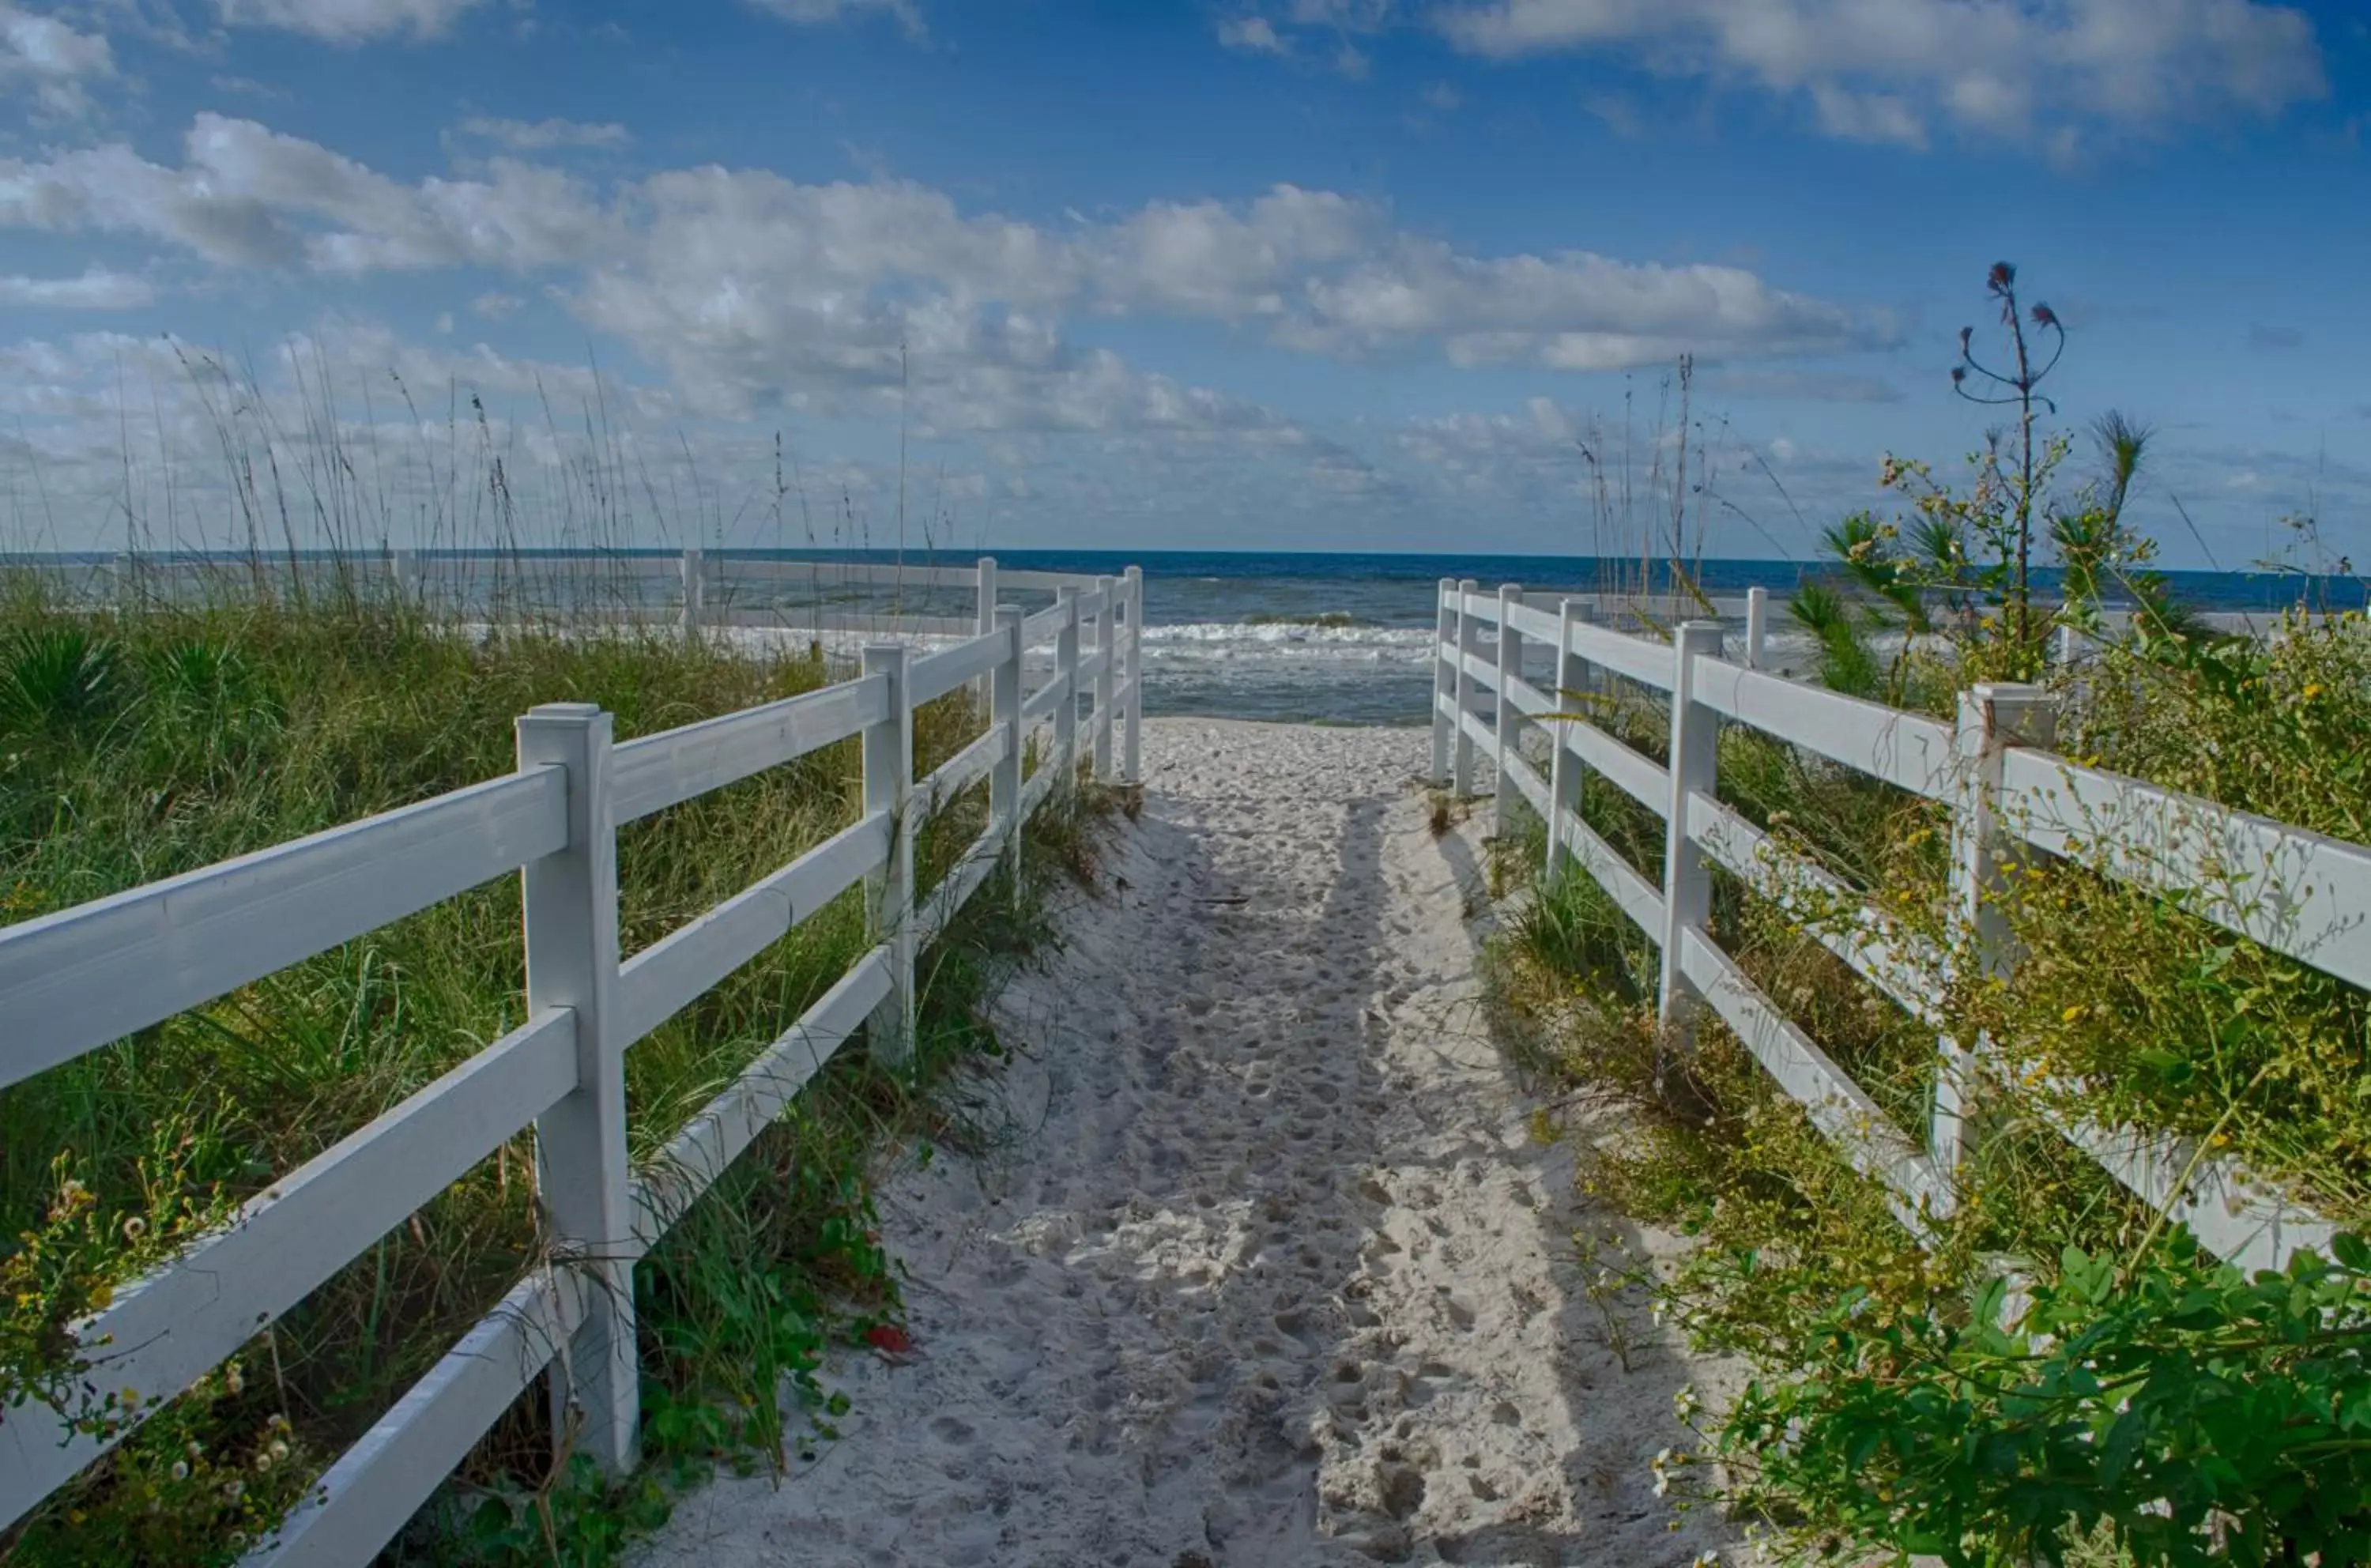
(1066, 674)
(1992, 718)
(1687, 881)
(1004, 712)
(983, 690)
(888, 780)
(1509, 728)
(1564, 769)
(695, 590)
(582, 1179)
(403, 569)
(1757, 626)
(1132, 742)
(1469, 645)
(1106, 675)
(1444, 678)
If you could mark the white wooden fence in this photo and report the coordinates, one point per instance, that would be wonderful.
(74, 981)
(2294, 890)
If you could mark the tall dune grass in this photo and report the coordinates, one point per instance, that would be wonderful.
(138, 744)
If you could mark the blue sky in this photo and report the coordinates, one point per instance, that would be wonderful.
(1284, 273)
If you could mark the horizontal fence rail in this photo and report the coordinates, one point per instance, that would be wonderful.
(75, 981)
(2297, 893)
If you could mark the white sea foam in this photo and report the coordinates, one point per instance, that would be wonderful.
(1218, 640)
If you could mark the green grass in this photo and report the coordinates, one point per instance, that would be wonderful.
(137, 746)
(2151, 1014)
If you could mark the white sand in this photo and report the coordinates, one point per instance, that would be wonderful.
(1272, 1271)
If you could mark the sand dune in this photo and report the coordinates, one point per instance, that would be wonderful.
(1268, 1269)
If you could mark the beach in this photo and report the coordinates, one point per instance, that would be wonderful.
(1253, 1255)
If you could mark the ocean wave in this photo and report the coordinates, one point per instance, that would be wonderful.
(1235, 641)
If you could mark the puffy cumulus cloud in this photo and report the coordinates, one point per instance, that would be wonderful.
(527, 136)
(1231, 262)
(55, 62)
(752, 291)
(1531, 461)
(98, 288)
(346, 22)
(1895, 70)
(249, 196)
(452, 444)
(1568, 311)
(1330, 274)
(1993, 66)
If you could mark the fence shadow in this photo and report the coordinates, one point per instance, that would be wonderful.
(1617, 1372)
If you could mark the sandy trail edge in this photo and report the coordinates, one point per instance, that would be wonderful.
(1269, 1270)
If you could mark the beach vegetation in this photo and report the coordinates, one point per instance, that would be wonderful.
(2052, 1371)
(144, 738)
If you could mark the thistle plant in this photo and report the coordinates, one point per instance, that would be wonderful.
(1961, 565)
(2007, 524)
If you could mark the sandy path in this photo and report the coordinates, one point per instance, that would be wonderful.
(1271, 1273)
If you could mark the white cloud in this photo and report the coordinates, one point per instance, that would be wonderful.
(1866, 117)
(54, 62)
(753, 291)
(99, 288)
(346, 22)
(1233, 263)
(1330, 274)
(820, 13)
(1568, 311)
(249, 196)
(1894, 71)
(1254, 35)
(524, 136)
(494, 307)
(1987, 66)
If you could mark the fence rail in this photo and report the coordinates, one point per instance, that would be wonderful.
(2296, 891)
(74, 981)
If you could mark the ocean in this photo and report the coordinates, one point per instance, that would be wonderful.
(1346, 638)
(1335, 638)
